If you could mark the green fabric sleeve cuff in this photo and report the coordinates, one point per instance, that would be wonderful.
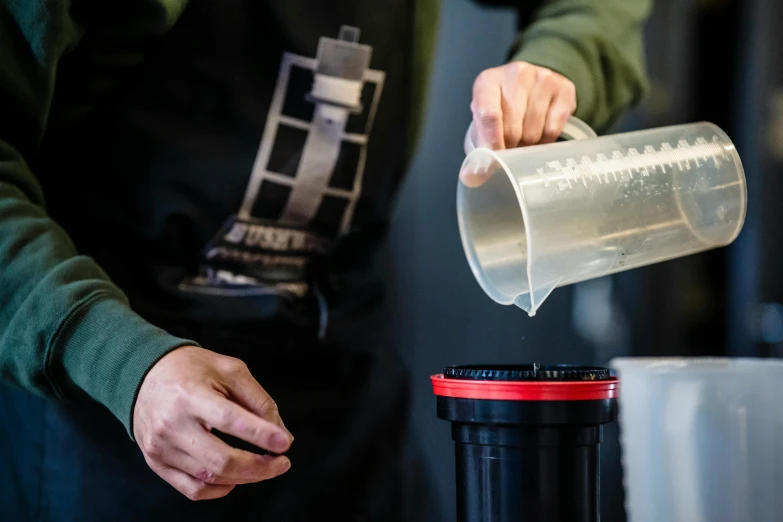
(106, 349)
(557, 54)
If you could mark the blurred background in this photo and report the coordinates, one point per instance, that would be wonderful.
(714, 60)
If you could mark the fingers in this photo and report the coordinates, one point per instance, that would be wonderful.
(488, 111)
(230, 418)
(520, 104)
(184, 396)
(246, 391)
(541, 95)
(563, 105)
(211, 460)
(518, 94)
(191, 487)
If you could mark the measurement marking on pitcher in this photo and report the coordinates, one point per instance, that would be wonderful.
(648, 149)
(685, 155)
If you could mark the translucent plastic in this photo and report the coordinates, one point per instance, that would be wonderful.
(702, 439)
(553, 215)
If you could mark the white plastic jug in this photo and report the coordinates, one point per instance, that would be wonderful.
(702, 439)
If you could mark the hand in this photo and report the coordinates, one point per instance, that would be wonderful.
(184, 396)
(519, 104)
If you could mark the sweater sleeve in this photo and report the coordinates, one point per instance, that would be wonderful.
(598, 45)
(65, 329)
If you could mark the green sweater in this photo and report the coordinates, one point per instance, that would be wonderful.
(65, 327)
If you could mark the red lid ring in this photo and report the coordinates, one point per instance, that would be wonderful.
(525, 390)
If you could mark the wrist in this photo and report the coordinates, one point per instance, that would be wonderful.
(106, 349)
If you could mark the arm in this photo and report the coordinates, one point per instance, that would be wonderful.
(65, 329)
(581, 57)
(64, 326)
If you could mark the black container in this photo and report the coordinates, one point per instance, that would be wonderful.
(527, 440)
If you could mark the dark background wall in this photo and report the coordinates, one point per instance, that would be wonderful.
(715, 60)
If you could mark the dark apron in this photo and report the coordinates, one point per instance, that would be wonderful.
(161, 163)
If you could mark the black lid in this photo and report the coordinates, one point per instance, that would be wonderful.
(526, 372)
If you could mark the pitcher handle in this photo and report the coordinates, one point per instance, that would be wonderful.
(575, 129)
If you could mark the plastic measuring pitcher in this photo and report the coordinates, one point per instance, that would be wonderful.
(701, 439)
(557, 214)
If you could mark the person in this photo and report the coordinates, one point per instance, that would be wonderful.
(192, 197)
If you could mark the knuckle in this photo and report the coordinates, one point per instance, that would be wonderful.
(545, 75)
(240, 365)
(153, 449)
(224, 417)
(519, 68)
(489, 116)
(206, 476)
(220, 463)
(483, 77)
(165, 423)
(267, 405)
(251, 431)
(182, 393)
(161, 427)
(157, 431)
(234, 365)
(225, 464)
